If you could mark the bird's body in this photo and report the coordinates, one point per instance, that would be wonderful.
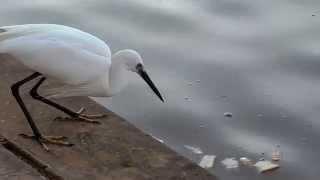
(76, 58)
(81, 61)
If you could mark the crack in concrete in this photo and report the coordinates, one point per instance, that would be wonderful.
(41, 167)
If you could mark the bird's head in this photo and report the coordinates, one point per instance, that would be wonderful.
(133, 62)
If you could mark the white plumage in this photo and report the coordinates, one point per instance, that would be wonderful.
(78, 59)
(63, 53)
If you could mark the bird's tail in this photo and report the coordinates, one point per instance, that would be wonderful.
(11, 32)
(8, 32)
(3, 34)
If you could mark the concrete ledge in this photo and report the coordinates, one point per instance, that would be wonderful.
(12, 168)
(113, 150)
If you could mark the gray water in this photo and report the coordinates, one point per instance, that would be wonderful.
(259, 60)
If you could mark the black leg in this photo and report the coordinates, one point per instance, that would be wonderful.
(15, 92)
(34, 93)
(77, 115)
(36, 133)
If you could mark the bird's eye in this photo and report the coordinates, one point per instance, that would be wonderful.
(139, 66)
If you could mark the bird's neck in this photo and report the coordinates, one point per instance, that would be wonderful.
(118, 79)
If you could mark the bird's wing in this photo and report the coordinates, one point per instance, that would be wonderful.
(70, 55)
(58, 59)
(67, 34)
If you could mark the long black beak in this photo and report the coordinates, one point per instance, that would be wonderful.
(145, 76)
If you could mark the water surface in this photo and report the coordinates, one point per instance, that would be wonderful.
(259, 60)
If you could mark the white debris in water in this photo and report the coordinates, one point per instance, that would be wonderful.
(227, 114)
(276, 154)
(230, 163)
(158, 139)
(195, 150)
(198, 81)
(207, 161)
(245, 161)
(264, 166)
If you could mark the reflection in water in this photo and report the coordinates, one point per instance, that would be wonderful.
(256, 59)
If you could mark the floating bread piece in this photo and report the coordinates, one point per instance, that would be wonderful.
(264, 166)
(276, 155)
(246, 161)
(195, 150)
(230, 163)
(207, 161)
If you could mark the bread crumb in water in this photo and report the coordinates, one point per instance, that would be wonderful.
(245, 161)
(195, 150)
(276, 154)
(207, 161)
(230, 163)
(264, 166)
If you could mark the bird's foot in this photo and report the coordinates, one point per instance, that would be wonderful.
(78, 118)
(89, 116)
(44, 140)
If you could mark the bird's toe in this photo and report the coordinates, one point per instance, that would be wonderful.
(44, 140)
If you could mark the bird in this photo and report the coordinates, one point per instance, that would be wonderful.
(82, 62)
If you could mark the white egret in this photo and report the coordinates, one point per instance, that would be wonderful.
(81, 61)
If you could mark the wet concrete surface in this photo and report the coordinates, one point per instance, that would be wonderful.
(113, 150)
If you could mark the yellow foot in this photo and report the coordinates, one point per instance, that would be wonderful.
(43, 140)
(93, 116)
(80, 118)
